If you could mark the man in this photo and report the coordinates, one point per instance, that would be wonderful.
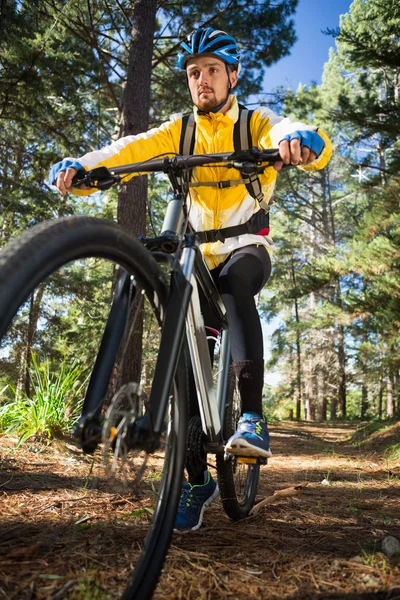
(241, 264)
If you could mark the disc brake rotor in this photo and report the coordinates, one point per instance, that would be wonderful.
(123, 465)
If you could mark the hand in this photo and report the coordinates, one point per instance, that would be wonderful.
(64, 180)
(62, 173)
(300, 148)
(294, 154)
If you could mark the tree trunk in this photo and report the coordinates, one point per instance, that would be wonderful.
(390, 396)
(396, 393)
(321, 401)
(342, 373)
(298, 376)
(333, 407)
(298, 350)
(324, 408)
(24, 382)
(132, 200)
(364, 401)
(309, 410)
(340, 400)
(380, 399)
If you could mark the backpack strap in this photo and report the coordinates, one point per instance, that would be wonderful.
(241, 131)
(242, 140)
(258, 224)
(188, 135)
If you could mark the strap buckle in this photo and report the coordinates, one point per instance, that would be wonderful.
(219, 236)
(223, 184)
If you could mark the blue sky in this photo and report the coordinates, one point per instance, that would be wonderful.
(308, 56)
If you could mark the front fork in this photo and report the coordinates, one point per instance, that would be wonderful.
(89, 429)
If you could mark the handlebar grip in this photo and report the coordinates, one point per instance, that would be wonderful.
(100, 178)
(80, 178)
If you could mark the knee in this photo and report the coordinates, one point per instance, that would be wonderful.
(234, 282)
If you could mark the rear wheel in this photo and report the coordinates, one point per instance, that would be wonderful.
(56, 259)
(237, 481)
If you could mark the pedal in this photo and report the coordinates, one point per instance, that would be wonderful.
(251, 460)
(246, 460)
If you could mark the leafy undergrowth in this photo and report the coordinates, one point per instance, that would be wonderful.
(53, 406)
(65, 533)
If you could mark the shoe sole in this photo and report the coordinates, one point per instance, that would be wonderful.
(213, 496)
(244, 448)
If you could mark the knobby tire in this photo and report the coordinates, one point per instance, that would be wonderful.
(31, 259)
(237, 482)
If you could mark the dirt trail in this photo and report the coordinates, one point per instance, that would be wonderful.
(59, 536)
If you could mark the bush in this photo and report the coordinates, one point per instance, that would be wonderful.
(53, 406)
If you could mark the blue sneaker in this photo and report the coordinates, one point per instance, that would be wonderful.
(194, 499)
(251, 437)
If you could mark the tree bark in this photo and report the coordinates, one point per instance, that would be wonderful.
(298, 349)
(380, 398)
(342, 372)
(390, 396)
(396, 392)
(364, 401)
(310, 402)
(24, 382)
(321, 398)
(132, 200)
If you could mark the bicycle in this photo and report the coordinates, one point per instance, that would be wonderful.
(157, 293)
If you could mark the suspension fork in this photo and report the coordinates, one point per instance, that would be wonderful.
(88, 429)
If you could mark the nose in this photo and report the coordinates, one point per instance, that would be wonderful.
(202, 78)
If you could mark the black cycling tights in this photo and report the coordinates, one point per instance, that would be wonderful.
(238, 280)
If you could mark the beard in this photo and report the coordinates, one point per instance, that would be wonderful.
(207, 103)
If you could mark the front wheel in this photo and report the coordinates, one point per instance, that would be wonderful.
(237, 481)
(62, 272)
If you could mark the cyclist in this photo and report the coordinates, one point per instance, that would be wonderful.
(240, 265)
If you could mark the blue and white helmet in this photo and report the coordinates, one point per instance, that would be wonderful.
(207, 40)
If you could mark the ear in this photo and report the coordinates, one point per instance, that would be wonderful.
(233, 76)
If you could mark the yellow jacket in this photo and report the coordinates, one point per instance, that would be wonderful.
(212, 207)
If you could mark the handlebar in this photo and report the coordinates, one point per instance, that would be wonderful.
(248, 161)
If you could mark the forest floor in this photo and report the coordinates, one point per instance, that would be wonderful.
(65, 534)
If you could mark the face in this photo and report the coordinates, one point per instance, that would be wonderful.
(208, 82)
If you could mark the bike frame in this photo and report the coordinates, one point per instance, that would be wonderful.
(184, 309)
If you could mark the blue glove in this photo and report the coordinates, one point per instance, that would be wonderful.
(311, 139)
(62, 166)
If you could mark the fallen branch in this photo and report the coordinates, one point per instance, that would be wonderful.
(286, 493)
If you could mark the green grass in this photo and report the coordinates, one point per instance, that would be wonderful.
(91, 589)
(53, 405)
(393, 452)
(364, 431)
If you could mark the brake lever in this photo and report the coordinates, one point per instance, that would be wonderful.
(100, 178)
